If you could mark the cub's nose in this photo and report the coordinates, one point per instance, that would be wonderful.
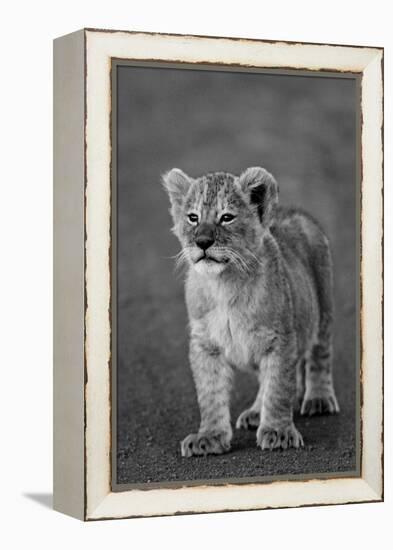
(204, 241)
(205, 235)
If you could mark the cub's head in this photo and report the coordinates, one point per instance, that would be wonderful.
(220, 219)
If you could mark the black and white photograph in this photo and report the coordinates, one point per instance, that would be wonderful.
(235, 275)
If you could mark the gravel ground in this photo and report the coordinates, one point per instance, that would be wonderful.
(301, 129)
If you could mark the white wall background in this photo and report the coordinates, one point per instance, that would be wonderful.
(26, 271)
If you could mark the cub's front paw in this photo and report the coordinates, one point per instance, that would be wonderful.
(319, 403)
(248, 420)
(202, 444)
(279, 438)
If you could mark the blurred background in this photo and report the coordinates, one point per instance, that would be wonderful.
(303, 130)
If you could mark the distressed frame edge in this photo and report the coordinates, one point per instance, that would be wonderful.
(360, 492)
(372, 269)
(375, 487)
(235, 38)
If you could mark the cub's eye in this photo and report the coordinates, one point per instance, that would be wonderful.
(193, 218)
(227, 218)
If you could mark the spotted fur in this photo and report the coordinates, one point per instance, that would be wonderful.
(259, 299)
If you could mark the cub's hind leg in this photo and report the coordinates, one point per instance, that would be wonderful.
(319, 397)
(319, 394)
(249, 419)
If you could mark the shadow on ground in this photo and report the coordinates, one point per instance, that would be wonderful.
(44, 499)
(302, 129)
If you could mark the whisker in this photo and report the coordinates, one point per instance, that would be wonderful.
(241, 260)
(172, 257)
(182, 257)
(254, 257)
(238, 260)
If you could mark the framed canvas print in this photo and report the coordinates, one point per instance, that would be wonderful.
(218, 274)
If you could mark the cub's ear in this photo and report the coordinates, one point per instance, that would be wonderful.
(177, 183)
(262, 189)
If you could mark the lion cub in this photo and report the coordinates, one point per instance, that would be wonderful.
(259, 298)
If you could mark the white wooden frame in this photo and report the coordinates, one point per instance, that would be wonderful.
(82, 448)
